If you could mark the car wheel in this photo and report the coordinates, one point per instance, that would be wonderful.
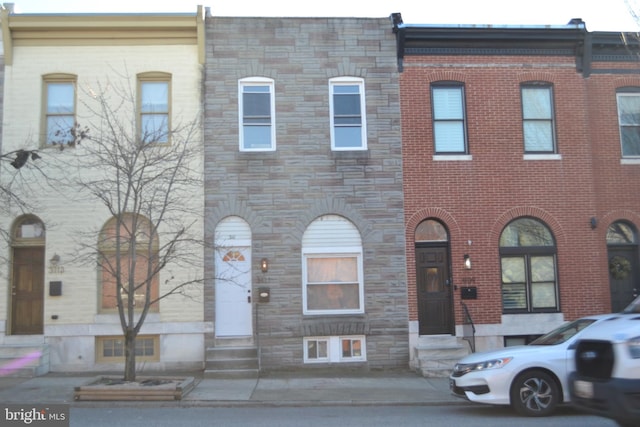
(534, 394)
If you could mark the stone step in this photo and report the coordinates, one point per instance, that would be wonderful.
(23, 360)
(231, 362)
(238, 363)
(33, 340)
(437, 355)
(224, 353)
(231, 373)
(240, 341)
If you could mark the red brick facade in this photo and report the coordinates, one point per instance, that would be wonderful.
(477, 195)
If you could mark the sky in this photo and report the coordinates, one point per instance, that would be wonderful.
(599, 15)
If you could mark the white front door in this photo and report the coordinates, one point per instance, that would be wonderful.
(233, 292)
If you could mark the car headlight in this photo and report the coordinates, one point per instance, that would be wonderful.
(464, 368)
(634, 347)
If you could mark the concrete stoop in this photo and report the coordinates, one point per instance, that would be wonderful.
(436, 355)
(23, 356)
(232, 358)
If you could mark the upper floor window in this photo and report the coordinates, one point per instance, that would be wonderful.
(537, 118)
(528, 264)
(449, 122)
(347, 111)
(629, 121)
(154, 100)
(257, 114)
(60, 108)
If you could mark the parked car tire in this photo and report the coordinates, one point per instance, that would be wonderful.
(534, 394)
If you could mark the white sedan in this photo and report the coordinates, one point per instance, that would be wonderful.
(531, 378)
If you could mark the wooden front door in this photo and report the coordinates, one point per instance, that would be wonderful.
(623, 276)
(435, 313)
(27, 291)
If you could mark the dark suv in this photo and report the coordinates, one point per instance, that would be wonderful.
(607, 377)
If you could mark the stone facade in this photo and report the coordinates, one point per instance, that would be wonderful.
(279, 193)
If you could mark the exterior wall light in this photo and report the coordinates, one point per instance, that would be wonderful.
(264, 265)
(467, 262)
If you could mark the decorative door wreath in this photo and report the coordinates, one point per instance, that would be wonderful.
(619, 267)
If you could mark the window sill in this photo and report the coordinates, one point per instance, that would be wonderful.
(542, 157)
(630, 161)
(258, 150)
(316, 314)
(111, 318)
(453, 157)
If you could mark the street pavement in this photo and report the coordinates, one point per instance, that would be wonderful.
(284, 389)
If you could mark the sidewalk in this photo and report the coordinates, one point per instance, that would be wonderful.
(403, 388)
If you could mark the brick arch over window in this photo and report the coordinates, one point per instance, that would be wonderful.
(626, 81)
(617, 215)
(452, 76)
(234, 207)
(527, 211)
(331, 206)
(435, 213)
(536, 76)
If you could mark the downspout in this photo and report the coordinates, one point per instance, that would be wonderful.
(7, 43)
(399, 30)
(587, 54)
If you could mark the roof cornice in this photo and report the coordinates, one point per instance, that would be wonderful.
(101, 30)
(572, 39)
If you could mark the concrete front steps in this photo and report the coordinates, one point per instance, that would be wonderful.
(232, 358)
(435, 355)
(23, 356)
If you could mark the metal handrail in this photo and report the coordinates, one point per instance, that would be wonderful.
(468, 321)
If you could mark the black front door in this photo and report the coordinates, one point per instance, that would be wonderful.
(435, 315)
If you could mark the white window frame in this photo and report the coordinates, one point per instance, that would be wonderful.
(346, 252)
(257, 81)
(334, 349)
(548, 120)
(440, 118)
(348, 81)
(621, 124)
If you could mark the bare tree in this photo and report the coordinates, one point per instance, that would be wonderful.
(149, 181)
(14, 187)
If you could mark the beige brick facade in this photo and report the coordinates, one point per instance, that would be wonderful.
(102, 63)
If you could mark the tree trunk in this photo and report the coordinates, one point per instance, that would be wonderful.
(130, 355)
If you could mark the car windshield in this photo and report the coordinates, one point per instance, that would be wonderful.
(563, 333)
(634, 307)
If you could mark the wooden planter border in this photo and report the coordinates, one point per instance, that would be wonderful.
(95, 390)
